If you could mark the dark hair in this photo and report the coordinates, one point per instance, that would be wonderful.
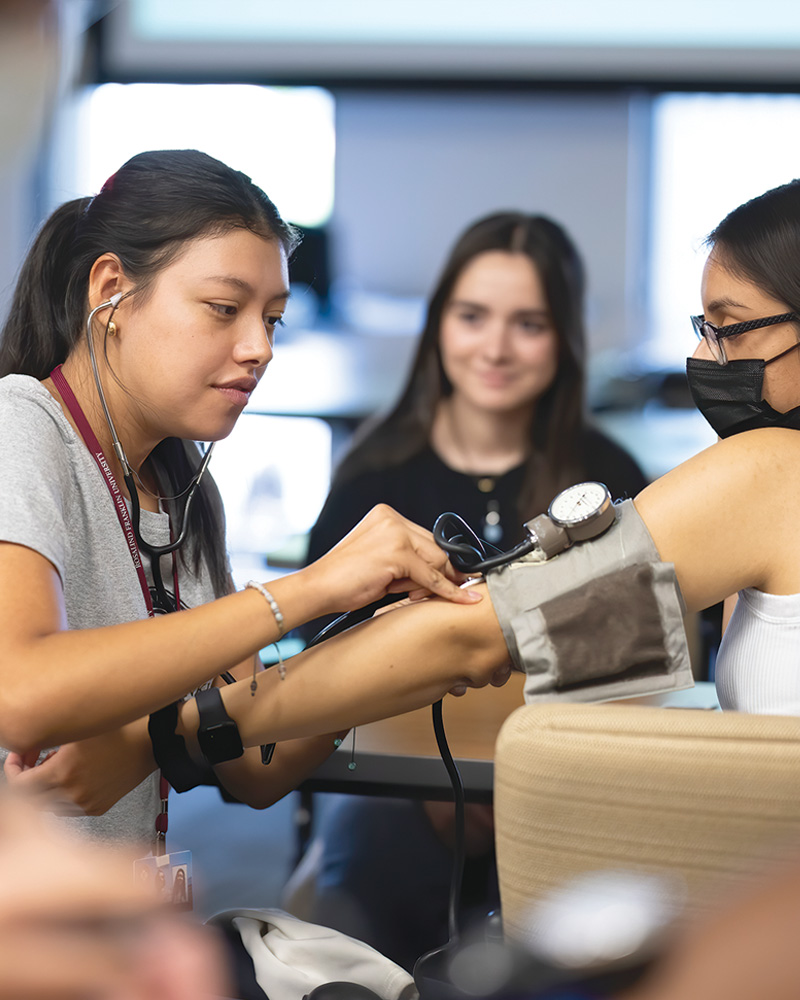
(145, 213)
(558, 420)
(760, 242)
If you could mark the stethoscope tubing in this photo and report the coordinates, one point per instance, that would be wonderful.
(467, 552)
(155, 552)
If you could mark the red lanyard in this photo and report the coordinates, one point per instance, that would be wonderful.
(121, 508)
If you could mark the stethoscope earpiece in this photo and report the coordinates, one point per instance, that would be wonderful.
(154, 551)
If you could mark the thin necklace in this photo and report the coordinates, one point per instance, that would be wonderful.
(485, 482)
(490, 527)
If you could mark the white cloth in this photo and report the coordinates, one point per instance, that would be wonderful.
(758, 665)
(292, 957)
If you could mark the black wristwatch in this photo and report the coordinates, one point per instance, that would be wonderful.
(217, 734)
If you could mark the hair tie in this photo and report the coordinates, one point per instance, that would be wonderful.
(109, 184)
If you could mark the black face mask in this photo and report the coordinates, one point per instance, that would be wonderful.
(730, 396)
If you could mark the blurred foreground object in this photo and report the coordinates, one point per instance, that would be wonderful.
(591, 937)
(73, 923)
(746, 951)
(29, 72)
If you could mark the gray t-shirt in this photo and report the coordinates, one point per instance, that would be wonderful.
(53, 499)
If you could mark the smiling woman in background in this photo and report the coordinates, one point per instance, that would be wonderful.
(491, 425)
(491, 422)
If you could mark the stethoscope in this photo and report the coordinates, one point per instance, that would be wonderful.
(471, 554)
(154, 552)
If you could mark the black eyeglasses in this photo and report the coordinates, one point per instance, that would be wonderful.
(713, 335)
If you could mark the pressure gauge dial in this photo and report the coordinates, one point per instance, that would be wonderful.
(584, 510)
(577, 514)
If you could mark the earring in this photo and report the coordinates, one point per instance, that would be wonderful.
(111, 329)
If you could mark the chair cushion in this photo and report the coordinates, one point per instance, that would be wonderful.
(711, 796)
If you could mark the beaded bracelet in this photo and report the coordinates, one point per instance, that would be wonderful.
(278, 615)
(273, 604)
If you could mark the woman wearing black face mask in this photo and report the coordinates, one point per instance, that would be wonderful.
(729, 517)
(730, 391)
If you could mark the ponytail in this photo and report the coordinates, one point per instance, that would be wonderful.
(144, 214)
(38, 334)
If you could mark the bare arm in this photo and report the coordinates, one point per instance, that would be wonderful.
(727, 518)
(88, 777)
(386, 666)
(248, 780)
(383, 667)
(85, 778)
(59, 685)
(259, 786)
(722, 518)
(413, 656)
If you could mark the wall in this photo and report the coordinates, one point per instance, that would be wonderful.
(16, 225)
(40, 51)
(413, 169)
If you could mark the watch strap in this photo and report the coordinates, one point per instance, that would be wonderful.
(171, 755)
(217, 733)
(267, 749)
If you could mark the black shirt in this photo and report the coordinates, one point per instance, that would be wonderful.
(423, 487)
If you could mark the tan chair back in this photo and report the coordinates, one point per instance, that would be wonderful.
(711, 796)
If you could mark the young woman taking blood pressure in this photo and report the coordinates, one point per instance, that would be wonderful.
(142, 320)
(199, 256)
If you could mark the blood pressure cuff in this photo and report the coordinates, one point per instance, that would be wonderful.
(602, 620)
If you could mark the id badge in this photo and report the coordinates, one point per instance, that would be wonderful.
(169, 876)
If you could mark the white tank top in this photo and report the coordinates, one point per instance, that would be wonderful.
(758, 666)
